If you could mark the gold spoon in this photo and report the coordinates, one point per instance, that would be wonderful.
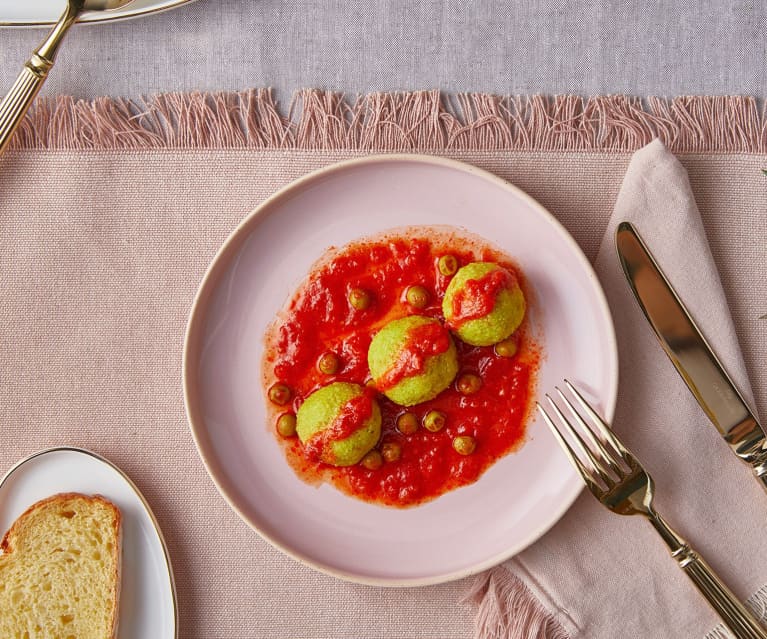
(32, 76)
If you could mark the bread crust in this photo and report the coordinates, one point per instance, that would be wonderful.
(7, 545)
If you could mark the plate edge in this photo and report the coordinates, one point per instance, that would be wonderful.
(107, 16)
(133, 487)
(250, 220)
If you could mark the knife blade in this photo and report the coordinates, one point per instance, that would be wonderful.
(690, 353)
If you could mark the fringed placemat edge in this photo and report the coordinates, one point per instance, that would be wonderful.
(507, 609)
(396, 122)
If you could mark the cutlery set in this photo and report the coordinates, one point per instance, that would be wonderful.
(611, 472)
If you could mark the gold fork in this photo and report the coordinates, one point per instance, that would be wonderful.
(618, 481)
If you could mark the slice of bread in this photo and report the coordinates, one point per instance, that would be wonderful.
(60, 570)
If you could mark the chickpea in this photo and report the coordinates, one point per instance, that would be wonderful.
(407, 423)
(286, 424)
(434, 421)
(360, 299)
(447, 265)
(468, 383)
(506, 348)
(329, 363)
(373, 460)
(417, 296)
(280, 394)
(391, 451)
(464, 445)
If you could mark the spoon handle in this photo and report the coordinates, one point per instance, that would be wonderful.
(30, 80)
(16, 103)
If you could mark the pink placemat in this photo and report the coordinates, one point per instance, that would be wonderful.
(111, 211)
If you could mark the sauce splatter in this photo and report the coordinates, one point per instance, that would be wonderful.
(319, 318)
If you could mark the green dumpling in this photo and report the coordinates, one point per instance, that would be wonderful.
(339, 423)
(483, 304)
(412, 360)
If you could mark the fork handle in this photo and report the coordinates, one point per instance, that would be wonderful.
(735, 615)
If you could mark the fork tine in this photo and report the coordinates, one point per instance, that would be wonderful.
(586, 473)
(604, 430)
(607, 456)
(594, 460)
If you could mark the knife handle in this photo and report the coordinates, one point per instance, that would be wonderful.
(761, 476)
(734, 614)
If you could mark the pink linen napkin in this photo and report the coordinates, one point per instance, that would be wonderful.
(600, 575)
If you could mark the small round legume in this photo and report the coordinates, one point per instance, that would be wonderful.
(286, 424)
(280, 394)
(434, 421)
(328, 363)
(373, 460)
(468, 383)
(447, 265)
(417, 296)
(359, 298)
(506, 348)
(391, 451)
(407, 423)
(464, 445)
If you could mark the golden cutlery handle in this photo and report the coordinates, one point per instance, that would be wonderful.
(735, 615)
(760, 471)
(16, 103)
(34, 73)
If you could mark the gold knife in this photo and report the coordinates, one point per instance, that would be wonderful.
(690, 353)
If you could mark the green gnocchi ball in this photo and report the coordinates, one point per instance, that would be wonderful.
(483, 304)
(346, 408)
(412, 359)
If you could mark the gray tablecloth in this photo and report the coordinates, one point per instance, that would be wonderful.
(498, 46)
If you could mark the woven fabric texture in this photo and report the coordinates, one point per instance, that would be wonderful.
(102, 254)
(527, 46)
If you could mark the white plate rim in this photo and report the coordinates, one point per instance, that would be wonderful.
(139, 494)
(195, 324)
(97, 17)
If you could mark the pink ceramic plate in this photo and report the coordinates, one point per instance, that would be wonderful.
(258, 268)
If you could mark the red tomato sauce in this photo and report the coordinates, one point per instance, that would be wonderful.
(476, 298)
(319, 318)
(352, 414)
(423, 342)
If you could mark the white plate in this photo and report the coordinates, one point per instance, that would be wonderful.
(42, 12)
(148, 596)
(466, 530)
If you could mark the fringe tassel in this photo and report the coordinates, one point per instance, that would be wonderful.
(757, 603)
(421, 120)
(508, 610)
